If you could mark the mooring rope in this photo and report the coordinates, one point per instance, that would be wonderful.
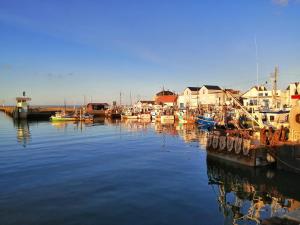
(285, 163)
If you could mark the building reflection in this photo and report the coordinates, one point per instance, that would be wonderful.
(248, 194)
(23, 132)
(188, 132)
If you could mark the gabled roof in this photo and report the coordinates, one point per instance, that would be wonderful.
(212, 87)
(194, 88)
(260, 88)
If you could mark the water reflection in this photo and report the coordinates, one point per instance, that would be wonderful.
(23, 132)
(250, 195)
(187, 132)
(243, 195)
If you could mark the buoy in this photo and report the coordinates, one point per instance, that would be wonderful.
(238, 145)
(222, 142)
(215, 142)
(246, 146)
(230, 142)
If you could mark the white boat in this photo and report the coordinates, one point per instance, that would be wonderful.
(132, 117)
(62, 116)
(167, 118)
(145, 116)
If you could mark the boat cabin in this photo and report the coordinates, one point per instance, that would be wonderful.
(275, 118)
(97, 106)
(22, 103)
(97, 109)
(21, 109)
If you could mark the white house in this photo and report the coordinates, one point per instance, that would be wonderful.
(211, 95)
(259, 97)
(144, 106)
(189, 98)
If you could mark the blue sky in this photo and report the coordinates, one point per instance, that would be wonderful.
(58, 50)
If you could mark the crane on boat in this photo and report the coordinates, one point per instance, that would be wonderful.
(242, 109)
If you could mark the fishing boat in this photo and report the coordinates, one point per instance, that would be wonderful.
(275, 118)
(181, 118)
(129, 114)
(145, 116)
(206, 122)
(167, 118)
(86, 117)
(129, 117)
(62, 116)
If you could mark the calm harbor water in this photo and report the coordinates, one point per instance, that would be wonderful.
(129, 173)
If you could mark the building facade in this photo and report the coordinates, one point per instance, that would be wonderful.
(189, 98)
(211, 95)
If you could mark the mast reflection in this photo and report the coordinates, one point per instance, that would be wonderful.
(248, 194)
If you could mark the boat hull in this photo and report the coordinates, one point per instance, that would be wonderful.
(167, 119)
(63, 119)
(129, 117)
(206, 123)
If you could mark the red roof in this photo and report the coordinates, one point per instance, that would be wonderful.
(166, 98)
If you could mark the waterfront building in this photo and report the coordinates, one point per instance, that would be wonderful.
(259, 97)
(97, 109)
(255, 97)
(211, 95)
(144, 105)
(166, 98)
(189, 98)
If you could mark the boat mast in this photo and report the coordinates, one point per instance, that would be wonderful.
(274, 78)
(65, 105)
(256, 56)
(130, 99)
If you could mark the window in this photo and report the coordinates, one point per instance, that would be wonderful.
(253, 102)
(260, 94)
(266, 94)
(272, 118)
